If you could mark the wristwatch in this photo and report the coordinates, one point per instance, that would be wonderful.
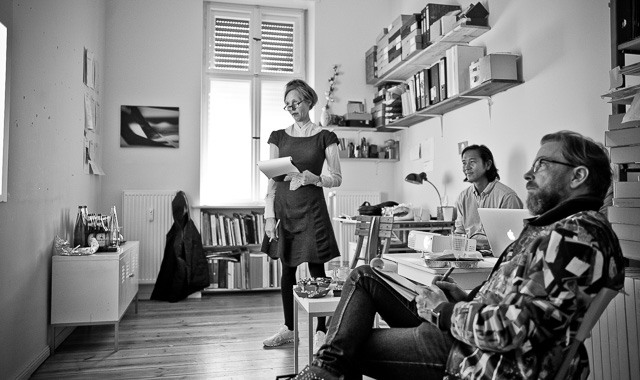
(433, 317)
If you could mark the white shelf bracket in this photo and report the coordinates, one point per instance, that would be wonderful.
(489, 101)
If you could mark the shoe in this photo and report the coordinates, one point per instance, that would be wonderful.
(316, 373)
(318, 341)
(283, 336)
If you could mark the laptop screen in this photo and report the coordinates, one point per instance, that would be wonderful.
(502, 226)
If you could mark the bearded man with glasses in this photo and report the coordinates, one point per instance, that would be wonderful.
(517, 323)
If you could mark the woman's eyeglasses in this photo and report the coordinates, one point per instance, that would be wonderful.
(294, 105)
(537, 164)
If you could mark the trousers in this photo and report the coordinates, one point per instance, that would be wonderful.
(410, 348)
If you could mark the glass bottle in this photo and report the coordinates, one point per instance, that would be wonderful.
(80, 228)
(114, 228)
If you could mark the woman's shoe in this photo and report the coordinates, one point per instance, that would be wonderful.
(283, 336)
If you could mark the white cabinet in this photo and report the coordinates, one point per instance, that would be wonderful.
(95, 289)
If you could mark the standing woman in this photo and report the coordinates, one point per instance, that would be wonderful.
(296, 212)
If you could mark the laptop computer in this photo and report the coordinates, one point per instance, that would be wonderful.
(502, 226)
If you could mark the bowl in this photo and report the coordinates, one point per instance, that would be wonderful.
(311, 291)
(436, 263)
(465, 264)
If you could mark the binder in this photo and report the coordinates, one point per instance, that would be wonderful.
(434, 84)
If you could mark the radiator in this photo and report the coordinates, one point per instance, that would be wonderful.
(347, 203)
(614, 346)
(147, 218)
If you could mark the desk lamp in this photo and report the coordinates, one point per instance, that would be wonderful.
(419, 179)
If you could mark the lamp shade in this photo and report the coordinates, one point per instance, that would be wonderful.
(419, 179)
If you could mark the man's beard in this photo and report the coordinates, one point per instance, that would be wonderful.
(543, 200)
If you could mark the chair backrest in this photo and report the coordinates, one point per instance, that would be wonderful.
(378, 231)
(597, 307)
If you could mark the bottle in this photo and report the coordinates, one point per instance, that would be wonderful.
(80, 229)
(114, 239)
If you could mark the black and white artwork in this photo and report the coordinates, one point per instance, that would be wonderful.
(149, 126)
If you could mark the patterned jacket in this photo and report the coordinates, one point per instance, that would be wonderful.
(518, 323)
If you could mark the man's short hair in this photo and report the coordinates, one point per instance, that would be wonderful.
(580, 150)
(307, 92)
(485, 155)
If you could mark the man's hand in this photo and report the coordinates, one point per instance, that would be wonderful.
(429, 297)
(450, 288)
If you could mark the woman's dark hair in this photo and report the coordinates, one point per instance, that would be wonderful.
(308, 94)
(580, 150)
(485, 155)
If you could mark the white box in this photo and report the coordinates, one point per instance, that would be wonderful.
(491, 67)
(459, 58)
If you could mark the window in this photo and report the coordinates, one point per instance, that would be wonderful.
(250, 54)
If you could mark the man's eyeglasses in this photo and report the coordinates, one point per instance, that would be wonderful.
(543, 161)
(294, 105)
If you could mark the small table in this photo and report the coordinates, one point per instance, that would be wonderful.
(314, 307)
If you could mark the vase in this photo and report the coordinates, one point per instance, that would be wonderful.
(325, 117)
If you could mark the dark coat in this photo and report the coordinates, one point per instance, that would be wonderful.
(184, 269)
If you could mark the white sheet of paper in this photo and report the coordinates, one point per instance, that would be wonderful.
(277, 166)
(634, 111)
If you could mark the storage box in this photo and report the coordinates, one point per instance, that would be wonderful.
(371, 64)
(411, 45)
(492, 67)
(459, 58)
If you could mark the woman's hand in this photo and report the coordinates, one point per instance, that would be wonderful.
(304, 178)
(270, 228)
(450, 288)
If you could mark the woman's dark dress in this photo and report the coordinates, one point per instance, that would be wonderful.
(305, 233)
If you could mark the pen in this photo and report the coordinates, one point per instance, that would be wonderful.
(446, 275)
(276, 231)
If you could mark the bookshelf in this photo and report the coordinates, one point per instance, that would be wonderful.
(231, 237)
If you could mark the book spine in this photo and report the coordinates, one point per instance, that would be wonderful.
(626, 189)
(624, 215)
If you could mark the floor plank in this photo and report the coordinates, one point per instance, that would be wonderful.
(218, 336)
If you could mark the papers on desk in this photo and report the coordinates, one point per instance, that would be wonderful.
(277, 166)
(402, 285)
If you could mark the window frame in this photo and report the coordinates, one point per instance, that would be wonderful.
(256, 15)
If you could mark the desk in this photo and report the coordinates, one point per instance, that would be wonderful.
(314, 307)
(412, 266)
(401, 230)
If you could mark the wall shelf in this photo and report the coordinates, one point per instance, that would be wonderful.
(461, 34)
(485, 90)
(369, 159)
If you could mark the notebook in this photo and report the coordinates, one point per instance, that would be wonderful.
(502, 226)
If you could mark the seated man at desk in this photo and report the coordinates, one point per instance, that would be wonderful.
(515, 324)
(480, 170)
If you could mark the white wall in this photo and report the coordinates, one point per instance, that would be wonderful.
(46, 180)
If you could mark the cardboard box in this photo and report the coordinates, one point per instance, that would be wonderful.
(448, 22)
(491, 67)
(411, 46)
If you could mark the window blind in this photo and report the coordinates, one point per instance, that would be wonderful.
(231, 44)
(277, 47)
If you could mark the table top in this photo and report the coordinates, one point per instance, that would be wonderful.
(326, 304)
(406, 223)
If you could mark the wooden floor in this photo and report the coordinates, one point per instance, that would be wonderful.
(215, 337)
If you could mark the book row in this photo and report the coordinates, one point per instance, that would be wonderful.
(245, 270)
(218, 229)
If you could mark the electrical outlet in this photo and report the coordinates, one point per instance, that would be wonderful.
(462, 145)
(150, 213)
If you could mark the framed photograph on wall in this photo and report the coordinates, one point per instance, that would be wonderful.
(149, 126)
